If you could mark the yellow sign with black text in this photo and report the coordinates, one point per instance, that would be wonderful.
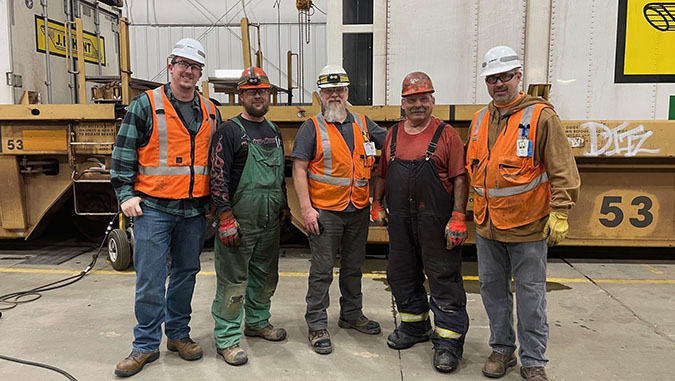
(56, 36)
(645, 41)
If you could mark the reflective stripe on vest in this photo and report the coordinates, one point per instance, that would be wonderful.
(446, 333)
(512, 191)
(479, 120)
(413, 318)
(163, 168)
(328, 157)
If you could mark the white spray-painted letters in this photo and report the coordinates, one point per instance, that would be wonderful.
(617, 142)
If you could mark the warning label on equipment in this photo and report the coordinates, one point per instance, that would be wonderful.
(56, 37)
(645, 40)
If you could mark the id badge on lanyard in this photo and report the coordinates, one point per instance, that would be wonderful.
(523, 144)
(369, 147)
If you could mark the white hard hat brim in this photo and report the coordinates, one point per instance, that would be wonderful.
(328, 85)
(499, 70)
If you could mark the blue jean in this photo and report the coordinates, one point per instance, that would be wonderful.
(526, 261)
(158, 237)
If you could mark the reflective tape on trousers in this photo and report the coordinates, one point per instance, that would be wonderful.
(446, 333)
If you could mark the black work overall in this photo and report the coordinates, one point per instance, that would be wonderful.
(419, 208)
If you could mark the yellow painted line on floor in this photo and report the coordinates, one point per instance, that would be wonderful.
(378, 275)
(654, 270)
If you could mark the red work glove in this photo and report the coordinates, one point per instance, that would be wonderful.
(378, 215)
(228, 231)
(455, 230)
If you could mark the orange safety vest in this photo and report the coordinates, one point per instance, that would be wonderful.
(174, 164)
(337, 176)
(511, 188)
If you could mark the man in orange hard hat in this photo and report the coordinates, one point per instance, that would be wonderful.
(159, 172)
(422, 177)
(525, 181)
(333, 154)
(247, 188)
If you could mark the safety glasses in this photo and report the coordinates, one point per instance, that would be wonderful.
(185, 65)
(504, 77)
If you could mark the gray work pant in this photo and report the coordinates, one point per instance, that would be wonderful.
(526, 262)
(346, 232)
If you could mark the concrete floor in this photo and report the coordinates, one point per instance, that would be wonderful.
(609, 320)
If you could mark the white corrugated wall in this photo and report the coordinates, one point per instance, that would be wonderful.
(157, 25)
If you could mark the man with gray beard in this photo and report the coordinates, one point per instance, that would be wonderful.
(247, 188)
(333, 155)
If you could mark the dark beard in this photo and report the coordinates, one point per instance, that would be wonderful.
(257, 113)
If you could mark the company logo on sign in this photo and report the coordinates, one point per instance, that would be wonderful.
(644, 43)
(56, 37)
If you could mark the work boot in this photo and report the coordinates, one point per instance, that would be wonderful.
(444, 361)
(268, 333)
(320, 341)
(362, 324)
(135, 362)
(533, 373)
(186, 348)
(401, 340)
(233, 355)
(497, 364)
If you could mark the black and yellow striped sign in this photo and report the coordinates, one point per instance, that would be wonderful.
(56, 36)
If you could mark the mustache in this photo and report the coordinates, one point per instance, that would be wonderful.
(418, 109)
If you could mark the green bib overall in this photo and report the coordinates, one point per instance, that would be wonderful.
(247, 275)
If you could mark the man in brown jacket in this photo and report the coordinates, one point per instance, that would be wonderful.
(525, 181)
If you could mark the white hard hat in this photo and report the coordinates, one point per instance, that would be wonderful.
(500, 59)
(332, 76)
(191, 49)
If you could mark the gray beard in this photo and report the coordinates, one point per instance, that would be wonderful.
(334, 113)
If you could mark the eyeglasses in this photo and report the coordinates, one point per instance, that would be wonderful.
(504, 77)
(254, 92)
(185, 65)
(330, 90)
(424, 99)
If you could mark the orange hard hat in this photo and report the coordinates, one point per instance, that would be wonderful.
(253, 78)
(416, 82)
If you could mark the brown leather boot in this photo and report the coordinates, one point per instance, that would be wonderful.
(362, 324)
(233, 355)
(497, 364)
(134, 363)
(268, 333)
(533, 373)
(186, 348)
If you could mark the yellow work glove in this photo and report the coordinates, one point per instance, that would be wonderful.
(556, 228)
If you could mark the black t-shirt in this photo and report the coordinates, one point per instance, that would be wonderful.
(229, 150)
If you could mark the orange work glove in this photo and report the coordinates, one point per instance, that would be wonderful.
(378, 215)
(455, 230)
(228, 231)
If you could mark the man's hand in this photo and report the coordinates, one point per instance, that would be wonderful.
(132, 207)
(211, 212)
(556, 228)
(378, 215)
(228, 231)
(455, 230)
(311, 218)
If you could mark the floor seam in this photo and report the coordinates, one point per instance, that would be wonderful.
(654, 327)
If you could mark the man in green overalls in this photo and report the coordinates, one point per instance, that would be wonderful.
(247, 188)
